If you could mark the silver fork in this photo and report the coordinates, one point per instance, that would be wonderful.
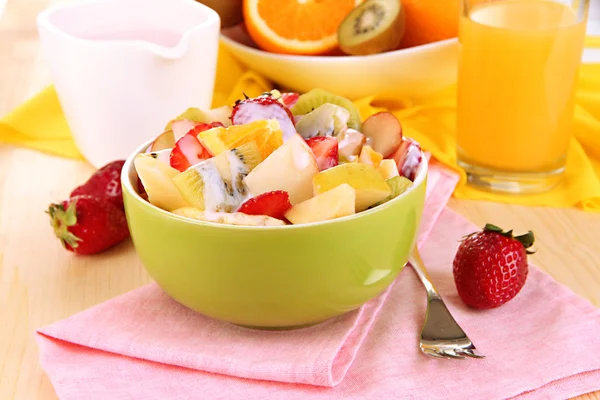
(441, 337)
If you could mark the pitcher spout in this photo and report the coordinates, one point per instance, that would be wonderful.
(192, 24)
(170, 46)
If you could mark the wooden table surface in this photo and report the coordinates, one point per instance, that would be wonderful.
(41, 283)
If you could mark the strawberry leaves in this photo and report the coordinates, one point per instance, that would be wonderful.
(526, 239)
(61, 220)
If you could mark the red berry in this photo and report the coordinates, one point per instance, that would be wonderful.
(274, 204)
(87, 225)
(105, 183)
(264, 107)
(289, 99)
(490, 267)
(188, 150)
(325, 149)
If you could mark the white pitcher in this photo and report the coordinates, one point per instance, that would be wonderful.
(2, 6)
(123, 68)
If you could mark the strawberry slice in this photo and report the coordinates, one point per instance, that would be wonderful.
(408, 158)
(325, 149)
(181, 127)
(264, 107)
(289, 99)
(188, 150)
(274, 204)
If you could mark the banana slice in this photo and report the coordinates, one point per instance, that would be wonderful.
(228, 218)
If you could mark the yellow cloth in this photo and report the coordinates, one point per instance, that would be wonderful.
(592, 42)
(40, 124)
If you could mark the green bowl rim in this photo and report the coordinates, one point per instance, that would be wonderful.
(129, 168)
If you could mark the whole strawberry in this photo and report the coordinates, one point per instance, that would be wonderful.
(490, 267)
(87, 225)
(104, 183)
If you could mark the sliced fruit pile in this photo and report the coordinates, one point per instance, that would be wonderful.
(278, 159)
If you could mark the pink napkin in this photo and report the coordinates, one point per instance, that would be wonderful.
(143, 345)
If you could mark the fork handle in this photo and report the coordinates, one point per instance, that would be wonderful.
(417, 263)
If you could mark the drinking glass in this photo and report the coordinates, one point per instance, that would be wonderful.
(518, 69)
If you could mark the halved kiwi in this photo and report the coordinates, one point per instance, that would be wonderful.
(317, 97)
(373, 27)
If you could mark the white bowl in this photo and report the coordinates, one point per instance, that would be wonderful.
(414, 72)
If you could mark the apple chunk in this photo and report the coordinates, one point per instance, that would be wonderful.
(291, 168)
(164, 156)
(181, 127)
(369, 156)
(383, 132)
(197, 115)
(388, 169)
(350, 142)
(335, 203)
(365, 179)
(165, 140)
(156, 176)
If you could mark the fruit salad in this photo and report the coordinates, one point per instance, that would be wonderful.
(277, 159)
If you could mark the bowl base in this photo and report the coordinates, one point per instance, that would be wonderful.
(280, 328)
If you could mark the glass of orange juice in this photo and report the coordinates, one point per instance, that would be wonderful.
(518, 68)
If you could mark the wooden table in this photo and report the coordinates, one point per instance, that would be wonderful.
(41, 283)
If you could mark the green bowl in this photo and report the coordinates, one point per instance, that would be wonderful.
(274, 277)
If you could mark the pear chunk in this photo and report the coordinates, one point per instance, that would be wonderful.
(365, 179)
(335, 203)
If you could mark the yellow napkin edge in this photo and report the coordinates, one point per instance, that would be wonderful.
(57, 147)
(53, 137)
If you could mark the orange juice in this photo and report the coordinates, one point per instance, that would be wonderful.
(518, 68)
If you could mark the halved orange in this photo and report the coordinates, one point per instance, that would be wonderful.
(306, 27)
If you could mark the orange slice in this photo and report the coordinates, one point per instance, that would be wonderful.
(296, 26)
(266, 133)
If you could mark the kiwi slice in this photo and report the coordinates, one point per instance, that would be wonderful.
(317, 97)
(373, 27)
